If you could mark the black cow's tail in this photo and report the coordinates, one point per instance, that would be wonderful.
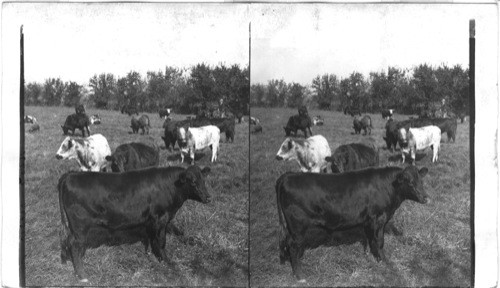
(284, 250)
(65, 231)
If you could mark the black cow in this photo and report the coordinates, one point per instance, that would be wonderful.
(142, 122)
(364, 123)
(76, 121)
(256, 128)
(352, 111)
(133, 156)
(448, 125)
(297, 122)
(123, 208)
(311, 206)
(226, 125)
(387, 114)
(170, 136)
(164, 112)
(352, 157)
(129, 109)
(80, 109)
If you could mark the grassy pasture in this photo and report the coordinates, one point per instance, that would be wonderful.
(213, 251)
(434, 250)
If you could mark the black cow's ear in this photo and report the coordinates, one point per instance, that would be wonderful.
(422, 172)
(205, 171)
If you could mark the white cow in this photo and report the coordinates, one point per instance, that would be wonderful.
(197, 139)
(309, 153)
(90, 152)
(419, 139)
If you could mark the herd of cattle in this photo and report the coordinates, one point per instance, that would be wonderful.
(312, 205)
(138, 201)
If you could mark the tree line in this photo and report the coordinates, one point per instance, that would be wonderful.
(188, 91)
(419, 90)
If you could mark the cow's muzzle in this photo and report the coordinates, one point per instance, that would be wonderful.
(279, 158)
(59, 157)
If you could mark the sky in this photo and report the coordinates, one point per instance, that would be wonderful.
(298, 42)
(74, 41)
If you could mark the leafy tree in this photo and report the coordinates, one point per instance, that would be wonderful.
(297, 95)
(103, 89)
(33, 94)
(327, 91)
(258, 95)
(53, 91)
(72, 94)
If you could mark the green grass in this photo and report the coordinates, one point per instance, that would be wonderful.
(434, 250)
(213, 251)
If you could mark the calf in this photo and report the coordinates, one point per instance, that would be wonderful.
(95, 119)
(123, 208)
(199, 138)
(311, 207)
(80, 109)
(297, 122)
(142, 122)
(255, 129)
(364, 124)
(90, 152)
(419, 139)
(133, 156)
(352, 157)
(76, 121)
(164, 112)
(309, 153)
(318, 121)
(29, 119)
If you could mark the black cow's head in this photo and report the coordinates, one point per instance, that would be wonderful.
(409, 183)
(192, 180)
(116, 163)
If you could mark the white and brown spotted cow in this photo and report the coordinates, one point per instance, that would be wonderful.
(419, 139)
(309, 153)
(199, 138)
(90, 152)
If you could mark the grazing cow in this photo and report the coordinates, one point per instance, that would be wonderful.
(364, 124)
(129, 109)
(352, 157)
(387, 114)
(239, 116)
(197, 138)
(142, 122)
(318, 121)
(303, 110)
(133, 156)
(419, 139)
(90, 152)
(164, 112)
(170, 135)
(448, 125)
(309, 153)
(351, 111)
(80, 109)
(76, 121)
(123, 208)
(254, 121)
(33, 128)
(297, 122)
(311, 207)
(95, 119)
(29, 119)
(256, 128)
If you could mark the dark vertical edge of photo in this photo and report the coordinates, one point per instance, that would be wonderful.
(249, 142)
(22, 278)
(472, 107)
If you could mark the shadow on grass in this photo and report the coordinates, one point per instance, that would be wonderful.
(398, 158)
(177, 157)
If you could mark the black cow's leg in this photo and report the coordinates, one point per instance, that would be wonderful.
(370, 232)
(77, 252)
(172, 229)
(295, 254)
